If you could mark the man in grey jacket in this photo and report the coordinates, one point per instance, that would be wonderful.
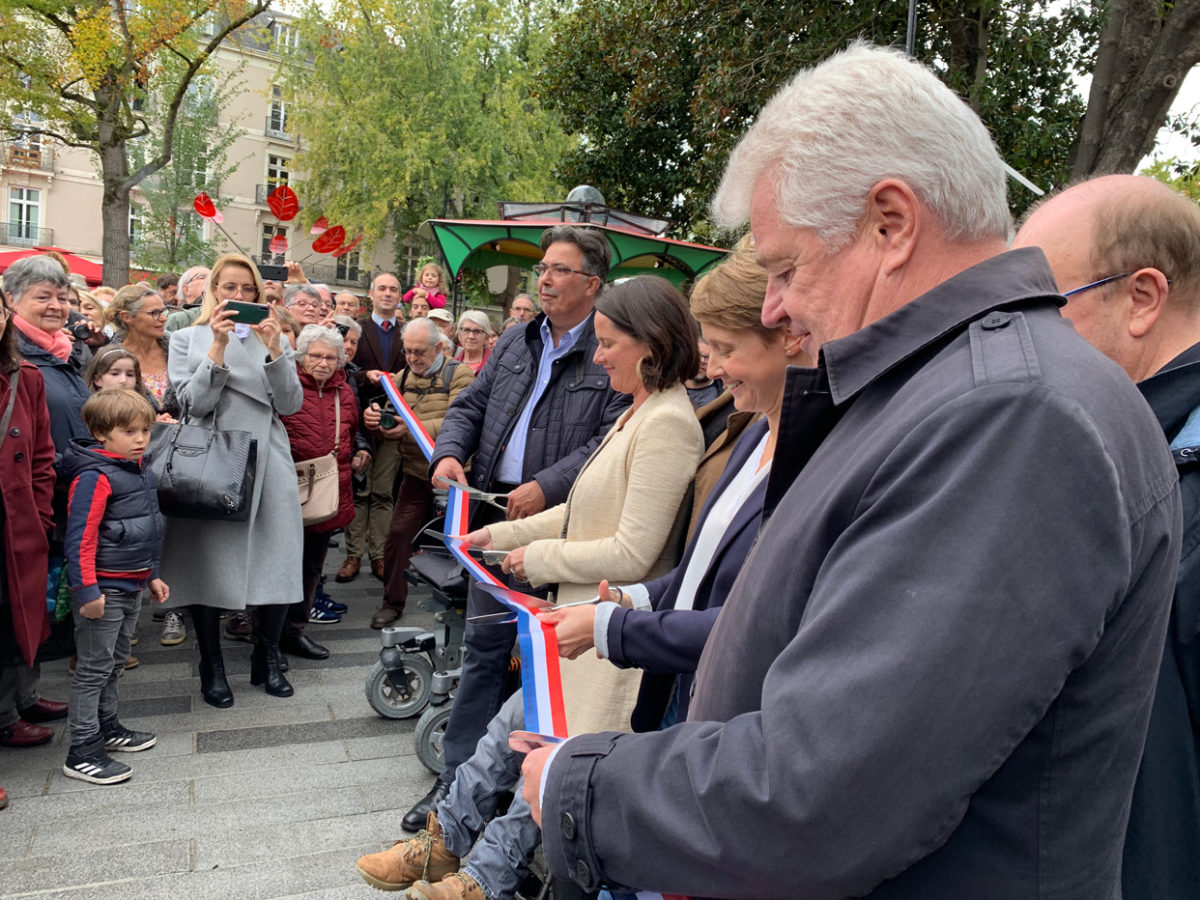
(932, 679)
(527, 424)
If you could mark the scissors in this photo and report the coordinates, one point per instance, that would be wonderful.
(508, 615)
(500, 501)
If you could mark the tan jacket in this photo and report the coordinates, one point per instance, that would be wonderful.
(429, 400)
(617, 523)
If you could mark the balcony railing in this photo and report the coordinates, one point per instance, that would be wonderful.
(31, 156)
(19, 235)
(276, 129)
(326, 274)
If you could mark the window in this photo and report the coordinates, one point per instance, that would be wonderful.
(135, 223)
(277, 170)
(347, 267)
(268, 232)
(25, 148)
(277, 120)
(24, 214)
(284, 38)
(412, 253)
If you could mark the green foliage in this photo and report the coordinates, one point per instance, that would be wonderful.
(671, 86)
(171, 238)
(411, 109)
(1181, 175)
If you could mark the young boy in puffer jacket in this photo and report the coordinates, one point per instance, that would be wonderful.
(113, 545)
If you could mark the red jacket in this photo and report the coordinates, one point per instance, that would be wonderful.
(26, 488)
(311, 433)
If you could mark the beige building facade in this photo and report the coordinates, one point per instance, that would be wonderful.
(52, 194)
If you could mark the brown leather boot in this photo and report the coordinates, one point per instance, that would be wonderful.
(348, 571)
(455, 886)
(423, 856)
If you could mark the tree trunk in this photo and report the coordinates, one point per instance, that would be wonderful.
(1146, 50)
(114, 214)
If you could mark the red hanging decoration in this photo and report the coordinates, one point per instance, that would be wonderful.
(320, 226)
(342, 251)
(284, 203)
(278, 245)
(204, 205)
(330, 240)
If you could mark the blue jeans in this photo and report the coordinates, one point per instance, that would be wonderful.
(481, 687)
(101, 648)
(501, 857)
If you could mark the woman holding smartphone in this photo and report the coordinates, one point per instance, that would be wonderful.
(244, 376)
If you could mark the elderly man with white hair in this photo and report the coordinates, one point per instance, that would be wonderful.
(428, 385)
(932, 679)
(189, 291)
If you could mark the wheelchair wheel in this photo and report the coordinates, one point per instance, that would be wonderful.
(431, 728)
(384, 698)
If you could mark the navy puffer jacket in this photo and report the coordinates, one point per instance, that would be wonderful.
(575, 412)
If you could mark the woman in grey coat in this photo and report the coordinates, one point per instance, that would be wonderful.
(244, 376)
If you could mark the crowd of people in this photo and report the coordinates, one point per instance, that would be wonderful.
(872, 556)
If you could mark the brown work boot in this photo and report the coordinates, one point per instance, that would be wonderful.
(384, 616)
(423, 856)
(377, 568)
(348, 570)
(455, 886)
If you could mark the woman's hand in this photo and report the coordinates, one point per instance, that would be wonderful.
(295, 273)
(373, 375)
(614, 595)
(481, 538)
(270, 333)
(360, 461)
(166, 418)
(222, 322)
(575, 629)
(514, 564)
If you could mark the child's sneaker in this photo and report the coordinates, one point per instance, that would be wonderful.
(323, 616)
(328, 602)
(125, 740)
(89, 762)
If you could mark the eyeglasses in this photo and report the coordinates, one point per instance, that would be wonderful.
(318, 357)
(558, 270)
(419, 351)
(160, 313)
(305, 304)
(243, 290)
(1101, 282)
(472, 331)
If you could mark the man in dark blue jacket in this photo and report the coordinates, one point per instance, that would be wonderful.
(533, 415)
(1125, 251)
(933, 676)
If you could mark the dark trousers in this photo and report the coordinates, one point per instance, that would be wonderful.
(413, 509)
(312, 562)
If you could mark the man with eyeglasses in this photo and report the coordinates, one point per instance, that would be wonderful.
(536, 411)
(429, 385)
(1125, 251)
(522, 308)
(190, 291)
(380, 350)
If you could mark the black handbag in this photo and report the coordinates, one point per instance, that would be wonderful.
(203, 472)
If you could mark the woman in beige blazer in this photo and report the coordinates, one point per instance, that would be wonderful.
(621, 514)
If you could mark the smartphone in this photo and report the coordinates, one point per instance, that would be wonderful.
(249, 313)
(272, 273)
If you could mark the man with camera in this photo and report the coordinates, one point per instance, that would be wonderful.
(380, 351)
(429, 385)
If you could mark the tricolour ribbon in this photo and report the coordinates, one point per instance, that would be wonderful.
(541, 679)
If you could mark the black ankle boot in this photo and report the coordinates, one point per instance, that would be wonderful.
(266, 660)
(213, 686)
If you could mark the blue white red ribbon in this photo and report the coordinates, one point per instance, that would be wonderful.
(541, 679)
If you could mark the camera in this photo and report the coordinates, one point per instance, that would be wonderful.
(387, 417)
(343, 330)
(77, 324)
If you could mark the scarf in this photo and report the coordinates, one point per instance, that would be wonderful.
(57, 344)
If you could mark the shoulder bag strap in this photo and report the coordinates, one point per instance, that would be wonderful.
(13, 380)
(337, 421)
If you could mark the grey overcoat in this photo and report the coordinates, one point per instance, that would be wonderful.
(233, 565)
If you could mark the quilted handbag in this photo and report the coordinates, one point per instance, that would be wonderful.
(203, 472)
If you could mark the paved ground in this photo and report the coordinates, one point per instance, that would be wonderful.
(274, 797)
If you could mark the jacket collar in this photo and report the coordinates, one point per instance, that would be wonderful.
(1174, 390)
(1016, 277)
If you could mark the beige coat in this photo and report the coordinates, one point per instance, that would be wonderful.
(617, 523)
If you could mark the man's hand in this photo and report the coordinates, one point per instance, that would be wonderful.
(159, 589)
(574, 629)
(532, 770)
(93, 609)
(614, 595)
(480, 537)
(296, 274)
(371, 416)
(448, 469)
(526, 500)
(360, 461)
(373, 375)
(514, 564)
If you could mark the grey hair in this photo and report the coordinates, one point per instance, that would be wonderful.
(294, 290)
(349, 323)
(862, 116)
(186, 278)
(25, 273)
(432, 332)
(320, 334)
(479, 318)
(446, 344)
